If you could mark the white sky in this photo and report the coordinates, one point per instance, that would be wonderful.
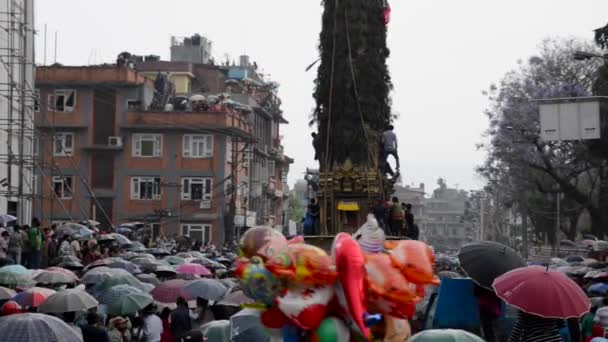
(444, 53)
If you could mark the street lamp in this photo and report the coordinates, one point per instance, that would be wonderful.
(584, 55)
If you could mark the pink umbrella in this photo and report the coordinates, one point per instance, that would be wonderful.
(195, 269)
(538, 291)
(170, 290)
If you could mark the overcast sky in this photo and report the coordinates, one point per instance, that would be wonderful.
(443, 54)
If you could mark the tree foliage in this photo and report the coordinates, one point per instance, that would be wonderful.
(295, 210)
(353, 83)
(527, 171)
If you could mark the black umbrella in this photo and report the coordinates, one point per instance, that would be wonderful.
(485, 261)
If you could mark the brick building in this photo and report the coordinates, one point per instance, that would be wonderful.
(106, 154)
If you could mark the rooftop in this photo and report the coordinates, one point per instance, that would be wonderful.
(89, 75)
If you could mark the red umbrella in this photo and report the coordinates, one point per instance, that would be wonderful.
(33, 297)
(169, 291)
(541, 292)
(10, 308)
(195, 269)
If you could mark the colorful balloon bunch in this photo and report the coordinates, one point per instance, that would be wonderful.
(358, 293)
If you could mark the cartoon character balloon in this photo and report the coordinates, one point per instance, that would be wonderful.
(264, 242)
(303, 264)
(306, 306)
(332, 329)
(258, 283)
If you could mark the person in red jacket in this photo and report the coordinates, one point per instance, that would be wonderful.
(166, 336)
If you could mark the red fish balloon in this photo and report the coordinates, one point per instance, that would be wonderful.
(415, 259)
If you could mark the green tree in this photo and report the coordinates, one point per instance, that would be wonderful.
(353, 83)
(296, 210)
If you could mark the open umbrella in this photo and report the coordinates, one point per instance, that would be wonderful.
(65, 259)
(108, 297)
(52, 278)
(121, 239)
(5, 219)
(14, 275)
(210, 289)
(6, 293)
(558, 262)
(33, 297)
(148, 278)
(129, 303)
(169, 291)
(99, 274)
(164, 271)
(246, 325)
(599, 288)
(208, 263)
(541, 292)
(194, 269)
(122, 279)
(124, 230)
(61, 270)
(74, 229)
(445, 335)
(159, 252)
(35, 327)
(174, 260)
(236, 299)
(575, 258)
(484, 261)
(67, 301)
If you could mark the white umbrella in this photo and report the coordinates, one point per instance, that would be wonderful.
(5, 219)
(35, 327)
(197, 97)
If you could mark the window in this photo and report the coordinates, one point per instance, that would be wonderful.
(197, 231)
(271, 168)
(37, 100)
(35, 145)
(62, 100)
(62, 185)
(145, 188)
(63, 144)
(133, 104)
(197, 189)
(198, 146)
(229, 149)
(147, 145)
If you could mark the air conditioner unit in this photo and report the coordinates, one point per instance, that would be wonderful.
(115, 141)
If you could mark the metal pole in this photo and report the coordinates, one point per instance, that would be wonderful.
(558, 222)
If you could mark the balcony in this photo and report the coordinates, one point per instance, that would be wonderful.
(89, 75)
(222, 122)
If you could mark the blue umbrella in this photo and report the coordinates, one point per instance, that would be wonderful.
(123, 230)
(601, 288)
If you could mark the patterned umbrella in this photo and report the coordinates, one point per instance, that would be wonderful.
(6, 293)
(122, 279)
(538, 291)
(100, 274)
(67, 301)
(195, 269)
(130, 303)
(35, 327)
(169, 291)
(33, 297)
(52, 278)
(210, 289)
(63, 271)
(445, 335)
(108, 297)
(174, 260)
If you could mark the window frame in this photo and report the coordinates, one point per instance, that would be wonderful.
(36, 105)
(70, 187)
(189, 146)
(206, 190)
(187, 228)
(155, 138)
(64, 151)
(52, 98)
(135, 188)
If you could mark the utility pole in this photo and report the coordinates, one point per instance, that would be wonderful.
(558, 222)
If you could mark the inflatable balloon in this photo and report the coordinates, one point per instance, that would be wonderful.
(350, 263)
(262, 241)
(370, 236)
(382, 305)
(306, 307)
(297, 239)
(415, 259)
(331, 329)
(396, 330)
(257, 282)
(273, 318)
(385, 281)
(303, 264)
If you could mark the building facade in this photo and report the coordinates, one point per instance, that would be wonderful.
(110, 156)
(446, 227)
(17, 102)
